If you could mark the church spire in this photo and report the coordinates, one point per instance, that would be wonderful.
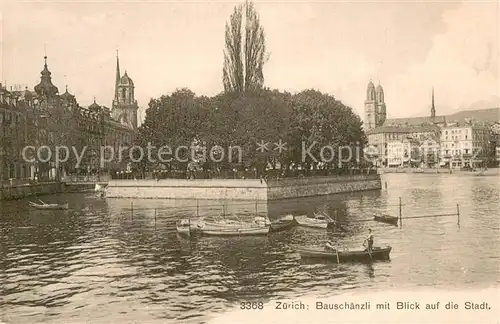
(117, 75)
(433, 108)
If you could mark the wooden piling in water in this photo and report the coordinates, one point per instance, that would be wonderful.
(197, 208)
(458, 215)
(155, 217)
(131, 209)
(400, 214)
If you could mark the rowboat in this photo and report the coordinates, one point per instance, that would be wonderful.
(49, 206)
(232, 230)
(319, 221)
(387, 219)
(377, 253)
(282, 223)
(184, 227)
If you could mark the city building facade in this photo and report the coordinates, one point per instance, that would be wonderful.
(386, 141)
(465, 139)
(465, 145)
(37, 122)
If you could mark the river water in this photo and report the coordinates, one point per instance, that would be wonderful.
(100, 262)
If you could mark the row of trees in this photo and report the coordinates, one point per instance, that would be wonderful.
(246, 120)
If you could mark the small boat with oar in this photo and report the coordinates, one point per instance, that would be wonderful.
(282, 223)
(346, 255)
(320, 220)
(392, 220)
(46, 206)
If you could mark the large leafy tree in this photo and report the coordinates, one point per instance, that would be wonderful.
(172, 122)
(245, 50)
(320, 121)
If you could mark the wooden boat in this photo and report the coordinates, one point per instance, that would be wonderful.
(377, 253)
(282, 223)
(184, 227)
(233, 231)
(386, 219)
(259, 221)
(319, 221)
(49, 206)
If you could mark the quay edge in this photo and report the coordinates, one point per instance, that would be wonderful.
(43, 188)
(241, 189)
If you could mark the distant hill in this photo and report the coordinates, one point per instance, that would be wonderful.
(485, 115)
(490, 115)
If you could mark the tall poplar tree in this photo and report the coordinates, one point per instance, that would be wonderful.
(245, 50)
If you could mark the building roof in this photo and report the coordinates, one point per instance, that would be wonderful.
(94, 106)
(490, 115)
(68, 96)
(45, 87)
(415, 121)
(402, 129)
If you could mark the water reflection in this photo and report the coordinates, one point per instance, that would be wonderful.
(102, 262)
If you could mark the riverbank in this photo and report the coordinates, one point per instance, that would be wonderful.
(241, 189)
(478, 172)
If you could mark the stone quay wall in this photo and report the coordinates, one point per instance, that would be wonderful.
(18, 191)
(321, 186)
(37, 189)
(212, 189)
(241, 189)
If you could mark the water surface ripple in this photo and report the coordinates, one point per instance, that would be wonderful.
(96, 262)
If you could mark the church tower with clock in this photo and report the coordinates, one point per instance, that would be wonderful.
(125, 107)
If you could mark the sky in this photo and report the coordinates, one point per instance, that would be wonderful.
(332, 46)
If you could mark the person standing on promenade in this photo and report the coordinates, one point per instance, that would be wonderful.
(368, 243)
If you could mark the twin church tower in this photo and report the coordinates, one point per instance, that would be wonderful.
(375, 109)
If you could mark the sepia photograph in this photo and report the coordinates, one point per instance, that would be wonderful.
(249, 161)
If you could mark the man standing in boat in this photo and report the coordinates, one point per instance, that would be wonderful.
(368, 243)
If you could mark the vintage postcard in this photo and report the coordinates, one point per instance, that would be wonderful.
(249, 161)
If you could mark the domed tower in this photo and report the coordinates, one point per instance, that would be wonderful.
(94, 107)
(68, 98)
(370, 107)
(125, 106)
(380, 109)
(45, 87)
